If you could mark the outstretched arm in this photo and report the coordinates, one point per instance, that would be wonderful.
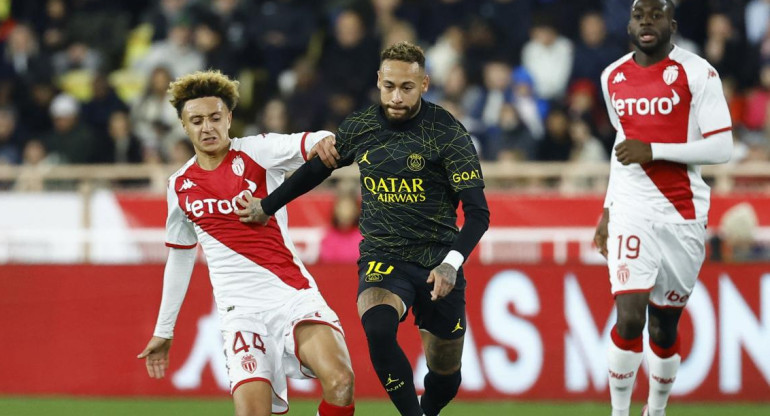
(307, 177)
(176, 279)
(476, 224)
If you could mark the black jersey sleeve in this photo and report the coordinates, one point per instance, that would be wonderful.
(459, 157)
(307, 177)
(476, 220)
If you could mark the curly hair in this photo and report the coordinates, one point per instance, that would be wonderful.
(200, 84)
(404, 51)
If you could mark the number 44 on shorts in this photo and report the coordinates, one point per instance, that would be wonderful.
(239, 343)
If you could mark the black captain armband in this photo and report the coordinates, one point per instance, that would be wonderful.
(307, 177)
(476, 220)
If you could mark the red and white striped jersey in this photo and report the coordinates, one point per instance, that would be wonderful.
(677, 100)
(251, 267)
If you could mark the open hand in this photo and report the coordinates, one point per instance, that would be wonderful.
(156, 354)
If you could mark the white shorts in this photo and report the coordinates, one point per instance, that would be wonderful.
(661, 258)
(260, 346)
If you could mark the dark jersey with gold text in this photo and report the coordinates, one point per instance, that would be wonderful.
(411, 173)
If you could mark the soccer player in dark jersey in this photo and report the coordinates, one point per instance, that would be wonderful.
(417, 163)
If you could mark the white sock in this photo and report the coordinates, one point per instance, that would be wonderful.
(623, 366)
(662, 375)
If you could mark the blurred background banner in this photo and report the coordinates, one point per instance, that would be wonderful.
(534, 332)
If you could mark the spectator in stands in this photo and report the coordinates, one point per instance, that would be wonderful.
(123, 146)
(724, 49)
(34, 106)
(441, 14)
(306, 98)
(209, 41)
(12, 139)
(736, 240)
(70, 141)
(556, 146)
(510, 18)
(443, 56)
(585, 146)
(340, 241)
(52, 27)
(181, 152)
(22, 59)
(548, 59)
(175, 52)
(274, 118)
(76, 56)
(236, 17)
(33, 157)
(496, 93)
(162, 16)
(282, 32)
(531, 109)
(154, 120)
(456, 88)
(593, 51)
(757, 21)
(515, 140)
(399, 31)
(350, 44)
(104, 101)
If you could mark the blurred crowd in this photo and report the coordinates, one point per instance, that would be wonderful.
(84, 81)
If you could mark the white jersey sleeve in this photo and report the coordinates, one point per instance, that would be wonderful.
(282, 152)
(180, 232)
(709, 104)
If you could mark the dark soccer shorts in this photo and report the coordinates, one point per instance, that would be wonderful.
(444, 318)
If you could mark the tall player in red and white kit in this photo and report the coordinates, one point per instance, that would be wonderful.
(671, 116)
(273, 319)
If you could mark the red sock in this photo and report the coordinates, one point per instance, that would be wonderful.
(634, 345)
(327, 409)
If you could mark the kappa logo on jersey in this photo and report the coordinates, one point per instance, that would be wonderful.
(619, 77)
(645, 106)
(712, 73)
(249, 363)
(238, 166)
(670, 74)
(187, 184)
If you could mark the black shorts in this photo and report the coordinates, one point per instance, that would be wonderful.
(444, 318)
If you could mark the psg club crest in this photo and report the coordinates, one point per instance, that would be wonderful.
(623, 273)
(671, 74)
(238, 166)
(249, 363)
(415, 162)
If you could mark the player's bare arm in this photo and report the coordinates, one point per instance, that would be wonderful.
(633, 151)
(325, 151)
(600, 236)
(252, 211)
(156, 355)
(443, 278)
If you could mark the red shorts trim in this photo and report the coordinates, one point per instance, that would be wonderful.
(181, 246)
(249, 380)
(624, 292)
(296, 344)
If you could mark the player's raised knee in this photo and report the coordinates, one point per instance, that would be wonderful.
(338, 386)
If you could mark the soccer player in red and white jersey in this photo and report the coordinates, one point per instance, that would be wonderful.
(274, 321)
(671, 116)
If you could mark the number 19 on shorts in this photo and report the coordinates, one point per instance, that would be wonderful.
(629, 245)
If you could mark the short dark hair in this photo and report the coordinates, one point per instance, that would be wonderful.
(404, 51)
(201, 84)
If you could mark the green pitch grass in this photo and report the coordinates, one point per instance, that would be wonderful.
(34, 406)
